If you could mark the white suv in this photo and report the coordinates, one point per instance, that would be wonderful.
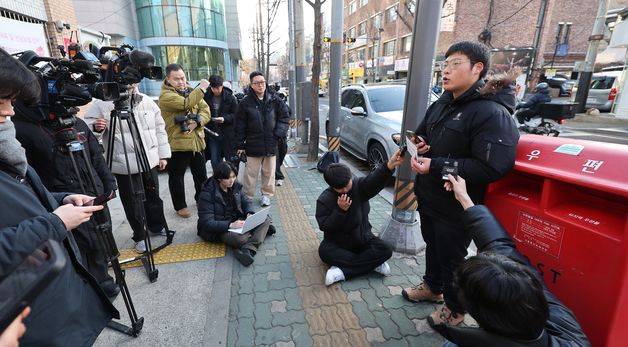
(370, 115)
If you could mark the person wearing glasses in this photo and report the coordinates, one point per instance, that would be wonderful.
(469, 131)
(262, 119)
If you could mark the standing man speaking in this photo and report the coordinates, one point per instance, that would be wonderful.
(185, 113)
(468, 132)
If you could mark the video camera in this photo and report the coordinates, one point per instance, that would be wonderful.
(182, 120)
(238, 158)
(68, 83)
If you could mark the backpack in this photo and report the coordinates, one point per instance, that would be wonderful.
(327, 159)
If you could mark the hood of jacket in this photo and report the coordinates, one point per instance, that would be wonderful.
(499, 88)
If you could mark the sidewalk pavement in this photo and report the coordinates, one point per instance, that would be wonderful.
(281, 300)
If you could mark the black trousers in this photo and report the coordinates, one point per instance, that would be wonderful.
(91, 249)
(282, 150)
(153, 205)
(355, 262)
(446, 246)
(251, 240)
(177, 165)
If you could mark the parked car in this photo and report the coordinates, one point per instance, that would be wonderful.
(321, 93)
(563, 83)
(603, 90)
(370, 116)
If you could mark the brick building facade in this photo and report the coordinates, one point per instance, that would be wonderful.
(508, 24)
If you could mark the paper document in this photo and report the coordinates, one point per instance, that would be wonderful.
(252, 221)
(412, 149)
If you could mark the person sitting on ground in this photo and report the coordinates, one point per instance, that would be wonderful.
(222, 205)
(530, 108)
(503, 292)
(342, 213)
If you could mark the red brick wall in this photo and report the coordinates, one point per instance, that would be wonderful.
(59, 10)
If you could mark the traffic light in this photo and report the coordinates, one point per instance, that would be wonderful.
(326, 39)
(350, 39)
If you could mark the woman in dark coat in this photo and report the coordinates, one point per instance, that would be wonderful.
(222, 205)
(72, 310)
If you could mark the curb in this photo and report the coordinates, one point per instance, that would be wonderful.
(586, 118)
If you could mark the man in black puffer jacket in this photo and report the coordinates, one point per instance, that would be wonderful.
(223, 106)
(342, 213)
(503, 292)
(222, 205)
(469, 129)
(261, 120)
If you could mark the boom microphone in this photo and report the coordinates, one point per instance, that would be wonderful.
(141, 59)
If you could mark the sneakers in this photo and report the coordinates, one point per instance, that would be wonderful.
(383, 269)
(279, 183)
(162, 232)
(265, 200)
(271, 230)
(140, 247)
(244, 256)
(334, 275)
(184, 212)
(420, 293)
(445, 316)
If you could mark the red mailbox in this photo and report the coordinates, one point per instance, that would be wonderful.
(566, 205)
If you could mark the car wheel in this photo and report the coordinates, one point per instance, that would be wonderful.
(376, 155)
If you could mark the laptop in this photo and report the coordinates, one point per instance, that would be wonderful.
(252, 221)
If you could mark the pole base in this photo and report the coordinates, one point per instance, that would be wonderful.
(404, 237)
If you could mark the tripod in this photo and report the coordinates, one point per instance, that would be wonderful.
(105, 237)
(123, 111)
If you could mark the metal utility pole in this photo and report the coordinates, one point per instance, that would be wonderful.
(402, 228)
(292, 92)
(537, 37)
(584, 77)
(335, 62)
(300, 65)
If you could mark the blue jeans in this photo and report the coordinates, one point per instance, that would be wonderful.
(214, 151)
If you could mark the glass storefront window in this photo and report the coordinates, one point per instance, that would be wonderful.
(156, 12)
(144, 22)
(185, 19)
(181, 18)
(171, 22)
(198, 22)
(197, 62)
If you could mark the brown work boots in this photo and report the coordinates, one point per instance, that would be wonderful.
(420, 293)
(184, 212)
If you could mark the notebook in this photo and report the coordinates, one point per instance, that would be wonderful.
(252, 221)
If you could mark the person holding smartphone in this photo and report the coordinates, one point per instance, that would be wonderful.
(73, 309)
(468, 131)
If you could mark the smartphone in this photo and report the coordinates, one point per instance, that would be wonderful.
(101, 199)
(402, 150)
(410, 133)
(22, 286)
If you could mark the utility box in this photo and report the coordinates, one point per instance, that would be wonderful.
(304, 100)
(566, 206)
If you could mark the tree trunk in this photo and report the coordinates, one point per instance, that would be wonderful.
(312, 154)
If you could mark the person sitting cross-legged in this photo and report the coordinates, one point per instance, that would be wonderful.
(222, 205)
(342, 213)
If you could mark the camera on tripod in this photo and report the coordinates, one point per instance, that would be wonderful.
(238, 158)
(182, 120)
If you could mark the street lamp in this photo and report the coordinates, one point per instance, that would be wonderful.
(375, 58)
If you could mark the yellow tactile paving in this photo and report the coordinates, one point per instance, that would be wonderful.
(330, 317)
(176, 253)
